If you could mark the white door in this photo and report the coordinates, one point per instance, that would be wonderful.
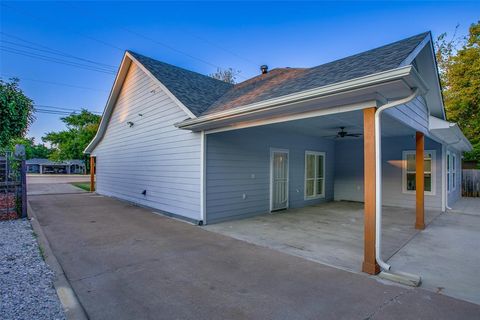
(279, 179)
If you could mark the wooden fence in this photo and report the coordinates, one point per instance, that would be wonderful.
(471, 183)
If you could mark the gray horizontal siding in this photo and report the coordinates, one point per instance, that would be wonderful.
(349, 172)
(152, 155)
(238, 163)
(414, 114)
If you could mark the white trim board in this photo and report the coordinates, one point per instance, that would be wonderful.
(115, 91)
(315, 195)
(433, 171)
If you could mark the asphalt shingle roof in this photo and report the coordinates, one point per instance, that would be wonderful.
(196, 91)
(204, 95)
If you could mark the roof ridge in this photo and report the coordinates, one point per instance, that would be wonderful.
(373, 49)
(174, 66)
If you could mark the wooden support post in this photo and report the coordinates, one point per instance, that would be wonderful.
(369, 261)
(92, 173)
(419, 181)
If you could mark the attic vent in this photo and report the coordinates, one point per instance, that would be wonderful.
(264, 69)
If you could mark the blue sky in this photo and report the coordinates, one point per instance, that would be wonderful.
(197, 36)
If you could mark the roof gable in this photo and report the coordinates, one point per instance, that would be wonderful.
(196, 91)
(295, 80)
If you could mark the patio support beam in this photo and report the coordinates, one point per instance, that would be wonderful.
(369, 261)
(419, 181)
(92, 173)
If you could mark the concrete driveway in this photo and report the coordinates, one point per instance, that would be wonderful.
(54, 183)
(125, 262)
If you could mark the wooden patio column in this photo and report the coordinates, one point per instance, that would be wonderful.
(419, 181)
(92, 173)
(369, 261)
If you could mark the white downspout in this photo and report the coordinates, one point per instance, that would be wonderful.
(378, 175)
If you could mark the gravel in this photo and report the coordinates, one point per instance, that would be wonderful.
(26, 282)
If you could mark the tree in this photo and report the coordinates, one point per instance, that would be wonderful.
(70, 143)
(226, 75)
(32, 150)
(459, 63)
(16, 112)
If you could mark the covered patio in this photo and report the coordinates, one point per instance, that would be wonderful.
(331, 219)
(330, 233)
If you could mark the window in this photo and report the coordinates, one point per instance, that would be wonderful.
(449, 171)
(409, 172)
(314, 174)
(454, 171)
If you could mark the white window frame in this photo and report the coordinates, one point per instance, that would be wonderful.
(432, 172)
(453, 169)
(315, 195)
(449, 171)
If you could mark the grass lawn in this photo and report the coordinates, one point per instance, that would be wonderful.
(82, 185)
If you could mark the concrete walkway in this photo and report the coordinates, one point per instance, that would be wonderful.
(446, 255)
(125, 262)
(467, 205)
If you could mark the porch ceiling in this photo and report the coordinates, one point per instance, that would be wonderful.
(327, 126)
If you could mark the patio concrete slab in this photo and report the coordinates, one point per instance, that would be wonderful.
(125, 262)
(467, 206)
(446, 255)
(330, 233)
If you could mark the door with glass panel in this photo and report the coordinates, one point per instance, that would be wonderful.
(279, 179)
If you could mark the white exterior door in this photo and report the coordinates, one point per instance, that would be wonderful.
(279, 179)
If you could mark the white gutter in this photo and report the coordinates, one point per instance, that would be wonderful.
(378, 175)
(306, 95)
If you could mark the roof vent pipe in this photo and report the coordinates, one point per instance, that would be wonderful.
(264, 69)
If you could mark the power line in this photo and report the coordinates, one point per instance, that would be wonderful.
(63, 108)
(21, 12)
(52, 51)
(219, 47)
(167, 45)
(55, 60)
(53, 83)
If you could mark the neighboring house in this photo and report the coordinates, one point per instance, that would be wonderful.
(207, 151)
(62, 167)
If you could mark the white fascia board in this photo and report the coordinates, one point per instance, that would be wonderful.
(409, 59)
(115, 91)
(449, 133)
(311, 94)
(112, 97)
(427, 41)
(162, 86)
(298, 116)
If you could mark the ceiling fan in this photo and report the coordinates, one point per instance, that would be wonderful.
(342, 134)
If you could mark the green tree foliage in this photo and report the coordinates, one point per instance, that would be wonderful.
(16, 112)
(32, 150)
(459, 63)
(70, 143)
(226, 75)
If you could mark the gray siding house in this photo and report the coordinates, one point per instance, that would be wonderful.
(352, 129)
